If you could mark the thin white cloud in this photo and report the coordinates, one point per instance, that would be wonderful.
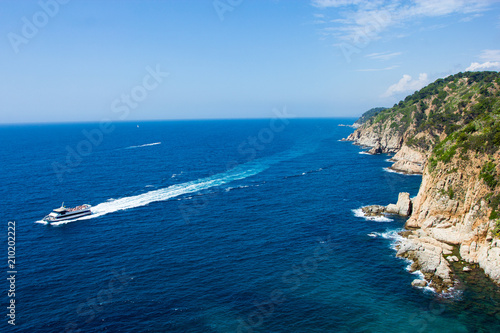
(376, 69)
(470, 18)
(490, 55)
(475, 66)
(334, 3)
(433, 27)
(366, 20)
(445, 7)
(384, 55)
(407, 84)
(343, 21)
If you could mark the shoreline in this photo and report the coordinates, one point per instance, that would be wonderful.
(436, 258)
(404, 242)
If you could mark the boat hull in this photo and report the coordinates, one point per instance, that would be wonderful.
(70, 216)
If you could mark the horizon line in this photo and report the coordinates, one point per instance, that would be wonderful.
(161, 120)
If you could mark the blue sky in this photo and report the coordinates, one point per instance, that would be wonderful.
(77, 60)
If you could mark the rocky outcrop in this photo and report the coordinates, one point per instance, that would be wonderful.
(384, 140)
(378, 149)
(403, 207)
(404, 204)
(408, 160)
(375, 210)
(419, 283)
(428, 257)
(451, 208)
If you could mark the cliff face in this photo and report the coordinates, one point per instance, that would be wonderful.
(385, 141)
(450, 133)
(451, 207)
(376, 135)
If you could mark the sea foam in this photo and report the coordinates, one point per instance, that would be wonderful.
(359, 213)
(400, 173)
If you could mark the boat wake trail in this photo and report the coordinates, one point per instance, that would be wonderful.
(146, 145)
(241, 171)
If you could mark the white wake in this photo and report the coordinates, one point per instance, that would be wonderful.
(239, 172)
(145, 145)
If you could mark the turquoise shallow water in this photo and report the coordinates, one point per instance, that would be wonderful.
(215, 226)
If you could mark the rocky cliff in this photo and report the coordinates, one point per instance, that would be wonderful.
(450, 133)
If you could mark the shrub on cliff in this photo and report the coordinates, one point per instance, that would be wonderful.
(489, 174)
(496, 231)
(369, 114)
(456, 115)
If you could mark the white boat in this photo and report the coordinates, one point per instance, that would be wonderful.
(64, 213)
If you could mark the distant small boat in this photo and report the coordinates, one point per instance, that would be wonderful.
(64, 213)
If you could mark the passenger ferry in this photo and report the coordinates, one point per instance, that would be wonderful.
(63, 213)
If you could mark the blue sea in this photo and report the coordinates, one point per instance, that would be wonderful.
(214, 226)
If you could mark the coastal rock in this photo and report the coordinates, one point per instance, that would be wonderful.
(407, 167)
(427, 256)
(452, 258)
(404, 204)
(486, 254)
(409, 154)
(403, 207)
(467, 269)
(376, 150)
(389, 140)
(408, 160)
(375, 210)
(450, 208)
(392, 209)
(419, 283)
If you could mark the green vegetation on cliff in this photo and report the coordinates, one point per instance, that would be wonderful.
(454, 117)
(369, 114)
(448, 105)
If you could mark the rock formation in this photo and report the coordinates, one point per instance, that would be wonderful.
(408, 160)
(403, 207)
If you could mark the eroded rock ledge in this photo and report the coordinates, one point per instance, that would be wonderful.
(406, 160)
(428, 255)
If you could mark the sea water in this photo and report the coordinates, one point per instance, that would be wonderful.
(215, 226)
